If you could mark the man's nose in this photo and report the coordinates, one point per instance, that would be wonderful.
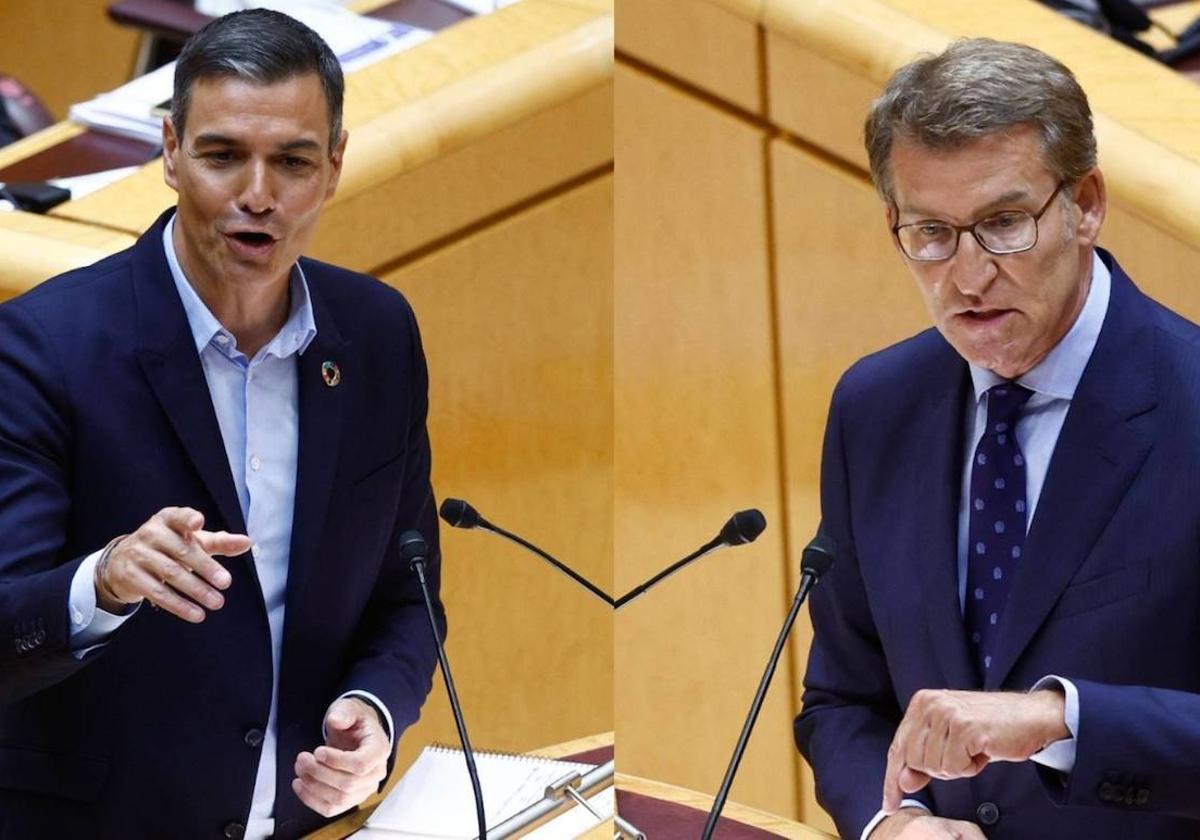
(974, 267)
(257, 196)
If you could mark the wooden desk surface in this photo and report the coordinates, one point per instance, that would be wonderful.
(703, 802)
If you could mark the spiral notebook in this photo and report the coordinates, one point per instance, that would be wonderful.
(433, 799)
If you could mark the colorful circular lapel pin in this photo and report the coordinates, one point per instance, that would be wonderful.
(331, 373)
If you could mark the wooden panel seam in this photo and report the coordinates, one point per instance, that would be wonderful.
(772, 130)
(785, 525)
(498, 217)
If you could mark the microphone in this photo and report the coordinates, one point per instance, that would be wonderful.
(414, 550)
(743, 527)
(815, 561)
(459, 514)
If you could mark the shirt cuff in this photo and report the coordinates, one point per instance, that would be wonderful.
(91, 625)
(1060, 755)
(881, 816)
(379, 707)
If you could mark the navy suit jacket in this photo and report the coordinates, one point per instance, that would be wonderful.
(105, 418)
(1107, 593)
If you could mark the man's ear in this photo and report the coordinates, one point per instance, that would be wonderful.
(170, 150)
(335, 160)
(892, 215)
(1091, 197)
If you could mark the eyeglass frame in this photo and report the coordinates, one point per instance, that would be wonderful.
(959, 230)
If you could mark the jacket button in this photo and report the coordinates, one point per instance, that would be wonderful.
(988, 813)
(1142, 798)
(253, 738)
(1106, 792)
(234, 831)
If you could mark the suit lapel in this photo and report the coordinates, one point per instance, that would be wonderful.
(167, 355)
(322, 407)
(1099, 451)
(936, 465)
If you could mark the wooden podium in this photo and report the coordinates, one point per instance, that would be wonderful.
(664, 812)
(667, 812)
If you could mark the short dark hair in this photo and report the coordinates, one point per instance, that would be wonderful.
(979, 87)
(261, 46)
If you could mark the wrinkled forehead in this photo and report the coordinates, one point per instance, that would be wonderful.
(288, 110)
(959, 182)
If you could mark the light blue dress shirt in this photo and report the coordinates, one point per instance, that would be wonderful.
(256, 405)
(1053, 382)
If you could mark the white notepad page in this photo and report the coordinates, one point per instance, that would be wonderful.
(434, 800)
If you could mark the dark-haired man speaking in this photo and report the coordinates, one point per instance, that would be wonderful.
(208, 448)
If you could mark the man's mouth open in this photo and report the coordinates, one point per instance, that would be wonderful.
(250, 243)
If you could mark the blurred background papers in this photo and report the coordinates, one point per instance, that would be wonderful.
(132, 110)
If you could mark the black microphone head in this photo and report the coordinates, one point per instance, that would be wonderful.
(818, 556)
(413, 546)
(1125, 14)
(743, 527)
(460, 514)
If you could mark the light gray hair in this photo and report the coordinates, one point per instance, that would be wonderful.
(976, 88)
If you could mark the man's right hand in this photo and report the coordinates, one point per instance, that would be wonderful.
(919, 824)
(169, 561)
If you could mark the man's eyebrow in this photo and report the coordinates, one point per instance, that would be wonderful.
(302, 144)
(214, 139)
(979, 212)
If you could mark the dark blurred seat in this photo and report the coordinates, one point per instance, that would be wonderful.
(166, 24)
(21, 112)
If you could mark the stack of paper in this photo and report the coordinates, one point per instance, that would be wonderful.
(434, 799)
(357, 41)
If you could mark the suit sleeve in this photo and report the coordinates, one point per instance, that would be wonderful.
(1135, 751)
(393, 655)
(850, 712)
(35, 573)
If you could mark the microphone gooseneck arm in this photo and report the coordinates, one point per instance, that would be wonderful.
(818, 556)
(562, 567)
(709, 547)
(806, 583)
(415, 554)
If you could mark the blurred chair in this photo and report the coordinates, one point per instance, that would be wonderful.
(21, 112)
(165, 25)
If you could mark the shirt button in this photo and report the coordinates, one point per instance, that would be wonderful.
(254, 549)
(77, 617)
(988, 813)
(253, 738)
(255, 462)
(222, 339)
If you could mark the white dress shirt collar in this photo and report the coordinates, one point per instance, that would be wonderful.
(1057, 376)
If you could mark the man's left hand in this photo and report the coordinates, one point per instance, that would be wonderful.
(339, 775)
(955, 734)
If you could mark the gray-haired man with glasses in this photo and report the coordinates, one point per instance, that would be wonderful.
(1009, 645)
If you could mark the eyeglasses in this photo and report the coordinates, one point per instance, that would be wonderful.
(1006, 232)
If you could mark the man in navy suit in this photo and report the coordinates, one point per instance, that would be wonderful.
(209, 447)
(1009, 643)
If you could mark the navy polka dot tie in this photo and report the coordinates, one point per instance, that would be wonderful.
(997, 520)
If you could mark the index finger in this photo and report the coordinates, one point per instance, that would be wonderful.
(182, 520)
(359, 761)
(223, 543)
(199, 562)
(892, 794)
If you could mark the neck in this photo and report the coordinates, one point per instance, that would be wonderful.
(254, 313)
